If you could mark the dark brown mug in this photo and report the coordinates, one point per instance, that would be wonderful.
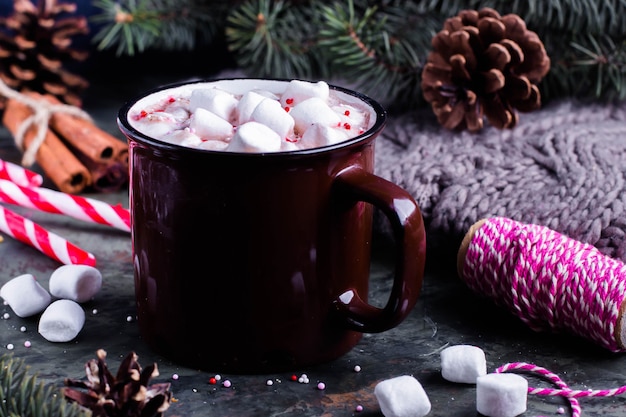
(260, 262)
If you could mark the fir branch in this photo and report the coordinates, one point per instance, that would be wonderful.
(137, 25)
(269, 39)
(377, 47)
(22, 394)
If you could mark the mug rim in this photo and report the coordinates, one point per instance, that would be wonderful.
(129, 130)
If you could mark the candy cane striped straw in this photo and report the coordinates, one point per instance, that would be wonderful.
(19, 175)
(46, 242)
(57, 202)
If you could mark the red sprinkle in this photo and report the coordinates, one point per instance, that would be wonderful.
(143, 113)
(347, 112)
(289, 101)
(294, 377)
(172, 99)
(212, 381)
(287, 109)
(346, 126)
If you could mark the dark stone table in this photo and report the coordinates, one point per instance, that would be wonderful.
(446, 314)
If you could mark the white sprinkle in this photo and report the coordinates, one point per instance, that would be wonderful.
(10, 346)
(27, 344)
(6, 316)
(357, 368)
(269, 382)
(23, 329)
(175, 377)
(217, 377)
(94, 311)
(560, 410)
(129, 318)
(321, 386)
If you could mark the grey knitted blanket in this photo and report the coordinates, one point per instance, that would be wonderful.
(563, 167)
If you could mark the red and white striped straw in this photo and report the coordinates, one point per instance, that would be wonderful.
(57, 202)
(49, 243)
(19, 175)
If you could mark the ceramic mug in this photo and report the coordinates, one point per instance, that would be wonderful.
(259, 262)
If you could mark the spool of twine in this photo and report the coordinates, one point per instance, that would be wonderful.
(548, 280)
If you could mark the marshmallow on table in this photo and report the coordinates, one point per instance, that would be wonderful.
(501, 395)
(297, 91)
(463, 363)
(75, 282)
(311, 111)
(61, 321)
(402, 396)
(217, 101)
(270, 113)
(25, 295)
(209, 125)
(255, 137)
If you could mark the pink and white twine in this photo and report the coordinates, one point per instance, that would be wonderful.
(551, 282)
(562, 389)
(548, 280)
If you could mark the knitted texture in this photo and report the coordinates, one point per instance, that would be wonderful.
(563, 167)
(551, 282)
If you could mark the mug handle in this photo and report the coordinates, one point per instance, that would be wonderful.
(407, 224)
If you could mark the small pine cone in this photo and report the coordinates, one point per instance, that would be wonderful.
(484, 64)
(127, 394)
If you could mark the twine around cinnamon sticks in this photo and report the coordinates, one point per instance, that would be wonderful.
(72, 151)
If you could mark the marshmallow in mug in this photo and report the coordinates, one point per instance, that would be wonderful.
(227, 115)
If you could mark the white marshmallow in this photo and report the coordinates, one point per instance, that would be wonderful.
(217, 101)
(25, 295)
(79, 283)
(501, 395)
(208, 125)
(402, 396)
(356, 118)
(297, 91)
(271, 114)
(181, 137)
(463, 363)
(246, 106)
(255, 137)
(61, 321)
(321, 135)
(213, 145)
(177, 114)
(311, 111)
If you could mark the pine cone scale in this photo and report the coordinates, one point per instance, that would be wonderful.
(498, 56)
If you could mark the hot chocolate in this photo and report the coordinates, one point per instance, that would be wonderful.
(241, 116)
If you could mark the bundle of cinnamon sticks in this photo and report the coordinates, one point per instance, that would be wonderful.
(76, 155)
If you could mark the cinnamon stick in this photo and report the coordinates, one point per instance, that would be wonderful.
(59, 164)
(107, 176)
(96, 144)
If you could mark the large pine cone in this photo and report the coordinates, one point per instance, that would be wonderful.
(484, 64)
(36, 42)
